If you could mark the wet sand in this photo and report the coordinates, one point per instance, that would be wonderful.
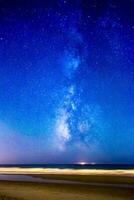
(107, 181)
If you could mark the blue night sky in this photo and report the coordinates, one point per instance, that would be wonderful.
(67, 81)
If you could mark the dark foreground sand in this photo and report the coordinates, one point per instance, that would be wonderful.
(92, 178)
(13, 190)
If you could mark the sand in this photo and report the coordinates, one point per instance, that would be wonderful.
(109, 185)
(92, 178)
(10, 190)
(31, 191)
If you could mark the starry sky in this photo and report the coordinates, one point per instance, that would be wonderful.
(66, 81)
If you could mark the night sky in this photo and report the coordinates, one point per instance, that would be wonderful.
(67, 81)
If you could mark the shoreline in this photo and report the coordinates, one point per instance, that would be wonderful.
(19, 170)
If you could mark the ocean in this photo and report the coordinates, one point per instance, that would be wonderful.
(72, 166)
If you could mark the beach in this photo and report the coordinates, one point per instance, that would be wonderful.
(40, 191)
(54, 184)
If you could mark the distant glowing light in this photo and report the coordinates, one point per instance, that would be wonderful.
(82, 163)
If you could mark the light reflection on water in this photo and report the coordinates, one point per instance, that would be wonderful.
(28, 178)
(17, 177)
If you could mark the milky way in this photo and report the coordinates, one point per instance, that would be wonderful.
(75, 121)
(67, 81)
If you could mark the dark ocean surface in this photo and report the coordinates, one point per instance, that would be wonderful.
(73, 166)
